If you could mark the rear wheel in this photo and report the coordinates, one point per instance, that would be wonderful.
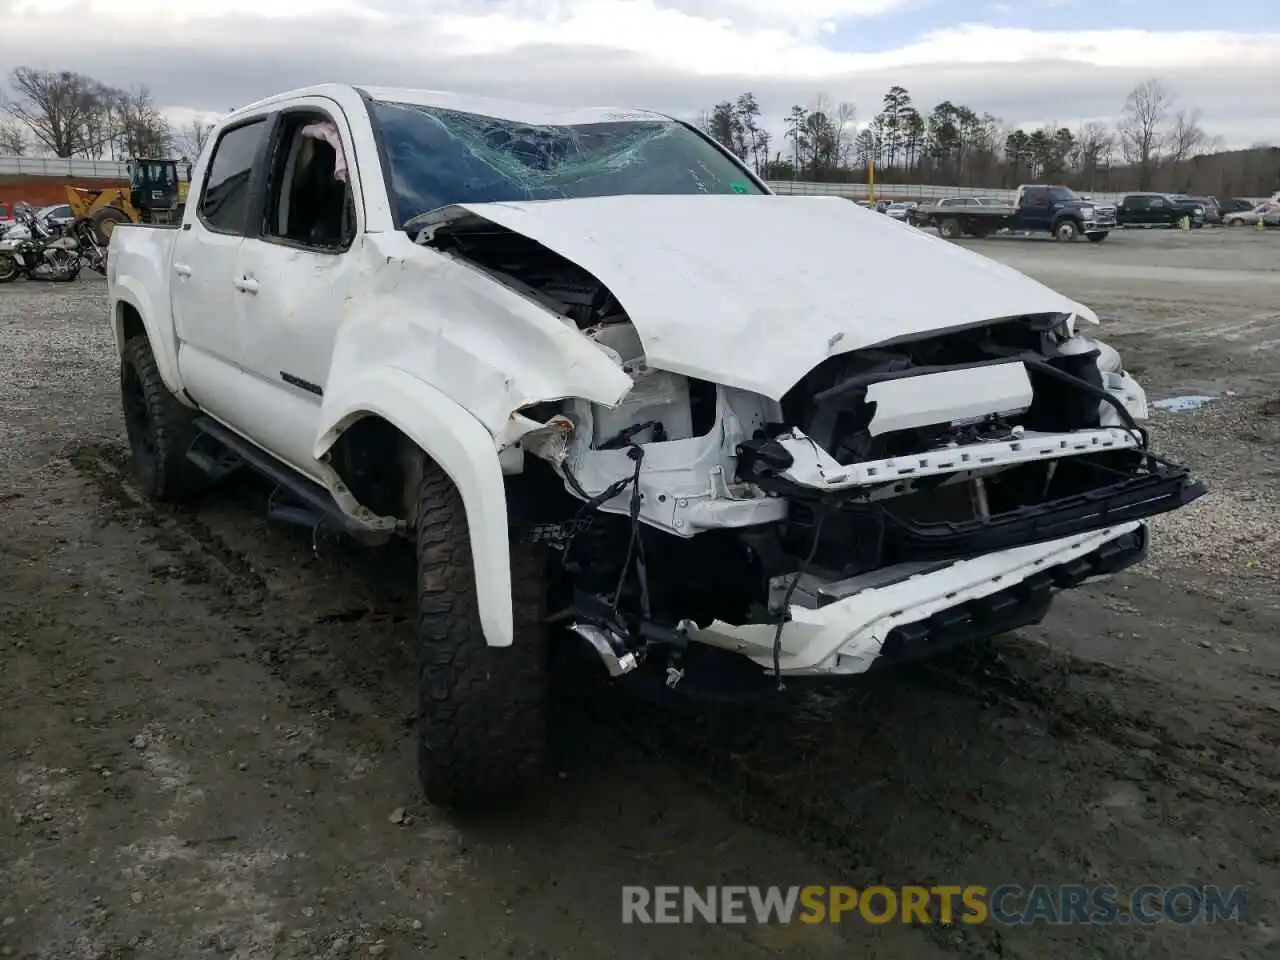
(482, 709)
(160, 429)
(1066, 231)
(8, 268)
(949, 229)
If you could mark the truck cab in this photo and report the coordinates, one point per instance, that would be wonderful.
(1054, 209)
(1158, 210)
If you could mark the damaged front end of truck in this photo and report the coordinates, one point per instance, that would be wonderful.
(934, 485)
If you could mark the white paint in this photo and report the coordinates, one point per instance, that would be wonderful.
(754, 291)
(949, 396)
(845, 637)
(517, 110)
(685, 483)
(816, 468)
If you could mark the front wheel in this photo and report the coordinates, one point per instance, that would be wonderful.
(8, 268)
(482, 709)
(1066, 231)
(1098, 237)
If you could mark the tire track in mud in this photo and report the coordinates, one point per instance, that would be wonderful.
(763, 764)
(204, 558)
(294, 650)
(1041, 679)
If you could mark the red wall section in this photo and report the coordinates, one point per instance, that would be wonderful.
(42, 191)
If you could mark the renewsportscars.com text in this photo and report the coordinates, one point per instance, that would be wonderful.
(1007, 904)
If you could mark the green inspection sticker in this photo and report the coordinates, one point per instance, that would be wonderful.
(740, 187)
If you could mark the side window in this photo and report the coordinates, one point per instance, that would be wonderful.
(1036, 198)
(225, 199)
(309, 197)
(1156, 203)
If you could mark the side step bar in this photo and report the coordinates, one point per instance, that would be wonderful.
(313, 505)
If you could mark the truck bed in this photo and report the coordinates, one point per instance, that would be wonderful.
(139, 271)
(985, 212)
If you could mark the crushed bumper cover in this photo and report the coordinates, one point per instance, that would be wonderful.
(911, 610)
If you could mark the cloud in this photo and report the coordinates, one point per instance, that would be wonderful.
(679, 56)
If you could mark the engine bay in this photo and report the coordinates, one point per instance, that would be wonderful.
(692, 502)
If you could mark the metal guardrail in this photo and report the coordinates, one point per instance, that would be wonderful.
(77, 169)
(902, 191)
(115, 170)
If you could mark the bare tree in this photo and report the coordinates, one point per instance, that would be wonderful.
(56, 107)
(1094, 144)
(846, 130)
(142, 130)
(191, 139)
(13, 138)
(1142, 127)
(1186, 137)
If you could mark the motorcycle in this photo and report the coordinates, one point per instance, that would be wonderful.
(41, 250)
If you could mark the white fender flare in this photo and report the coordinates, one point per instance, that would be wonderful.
(164, 346)
(464, 449)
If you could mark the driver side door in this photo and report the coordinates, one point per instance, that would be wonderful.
(202, 282)
(300, 257)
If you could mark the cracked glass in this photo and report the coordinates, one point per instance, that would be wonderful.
(436, 157)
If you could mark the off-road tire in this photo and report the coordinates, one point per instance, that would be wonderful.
(482, 710)
(949, 228)
(104, 221)
(160, 429)
(1066, 231)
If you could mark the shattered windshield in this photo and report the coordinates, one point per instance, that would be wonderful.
(438, 157)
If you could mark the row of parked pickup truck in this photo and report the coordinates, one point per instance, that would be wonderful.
(1067, 215)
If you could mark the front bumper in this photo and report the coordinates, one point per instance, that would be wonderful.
(912, 610)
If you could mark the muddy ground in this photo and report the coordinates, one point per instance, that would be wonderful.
(204, 735)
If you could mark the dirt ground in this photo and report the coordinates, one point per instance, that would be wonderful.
(204, 722)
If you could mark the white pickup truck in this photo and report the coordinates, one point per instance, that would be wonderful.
(626, 400)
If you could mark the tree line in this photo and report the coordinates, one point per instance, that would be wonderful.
(1156, 144)
(61, 113)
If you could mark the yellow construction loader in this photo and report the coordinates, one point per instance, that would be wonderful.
(155, 195)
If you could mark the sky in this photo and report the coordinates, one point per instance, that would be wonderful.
(1028, 62)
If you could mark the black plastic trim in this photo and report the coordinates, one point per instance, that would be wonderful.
(305, 490)
(1019, 605)
(1136, 498)
(301, 384)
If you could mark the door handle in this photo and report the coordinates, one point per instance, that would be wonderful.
(182, 270)
(246, 284)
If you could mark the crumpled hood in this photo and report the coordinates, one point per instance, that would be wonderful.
(755, 291)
